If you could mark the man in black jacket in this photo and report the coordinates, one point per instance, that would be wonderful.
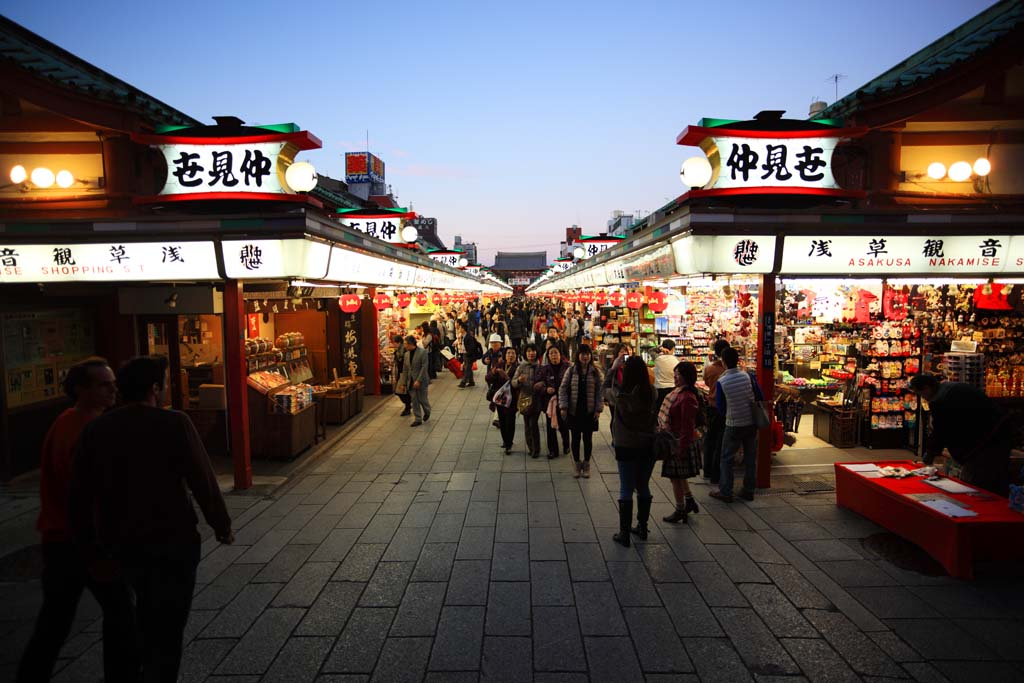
(516, 330)
(975, 431)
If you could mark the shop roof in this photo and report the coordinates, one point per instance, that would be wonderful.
(38, 56)
(520, 260)
(956, 47)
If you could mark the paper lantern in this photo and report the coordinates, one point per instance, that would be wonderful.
(616, 299)
(657, 302)
(601, 297)
(349, 303)
(421, 299)
(634, 299)
(382, 301)
(586, 297)
(436, 298)
(404, 300)
(446, 298)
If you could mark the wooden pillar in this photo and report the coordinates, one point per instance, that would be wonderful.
(370, 356)
(765, 372)
(235, 386)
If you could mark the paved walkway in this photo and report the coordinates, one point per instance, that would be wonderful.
(428, 554)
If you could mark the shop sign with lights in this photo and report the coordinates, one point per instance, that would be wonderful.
(561, 265)
(455, 259)
(387, 226)
(109, 261)
(250, 166)
(757, 157)
(885, 255)
(587, 247)
(727, 254)
(654, 263)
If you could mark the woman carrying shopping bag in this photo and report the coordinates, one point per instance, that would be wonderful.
(507, 406)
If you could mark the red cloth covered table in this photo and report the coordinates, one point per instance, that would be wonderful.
(996, 533)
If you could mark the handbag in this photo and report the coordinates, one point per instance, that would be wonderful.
(666, 445)
(760, 410)
(525, 403)
(503, 396)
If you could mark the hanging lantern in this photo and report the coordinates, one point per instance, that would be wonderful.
(436, 298)
(635, 299)
(600, 297)
(421, 299)
(657, 302)
(404, 300)
(382, 301)
(446, 298)
(616, 299)
(349, 303)
(586, 297)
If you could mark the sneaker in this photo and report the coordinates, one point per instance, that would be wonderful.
(747, 495)
(718, 495)
(586, 470)
(417, 423)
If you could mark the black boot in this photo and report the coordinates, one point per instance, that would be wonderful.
(678, 515)
(643, 513)
(625, 517)
(691, 505)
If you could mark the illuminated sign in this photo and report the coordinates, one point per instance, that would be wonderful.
(363, 167)
(886, 255)
(450, 258)
(112, 262)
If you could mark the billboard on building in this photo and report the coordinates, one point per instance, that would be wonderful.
(363, 167)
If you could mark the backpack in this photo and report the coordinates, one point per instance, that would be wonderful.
(473, 348)
(702, 409)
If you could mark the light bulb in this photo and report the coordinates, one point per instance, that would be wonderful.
(301, 176)
(463, 263)
(65, 179)
(578, 252)
(18, 174)
(42, 177)
(695, 171)
(410, 234)
(936, 170)
(982, 167)
(960, 171)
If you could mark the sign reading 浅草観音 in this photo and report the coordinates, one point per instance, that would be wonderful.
(888, 255)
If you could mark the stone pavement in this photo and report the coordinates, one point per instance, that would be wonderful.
(427, 554)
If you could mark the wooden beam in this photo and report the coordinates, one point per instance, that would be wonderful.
(1008, 110)
(51, 147)
(964, 137)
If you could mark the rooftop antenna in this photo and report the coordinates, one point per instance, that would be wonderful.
(835, 78)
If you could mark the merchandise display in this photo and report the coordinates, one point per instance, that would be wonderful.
(292, 399)
(288, 357)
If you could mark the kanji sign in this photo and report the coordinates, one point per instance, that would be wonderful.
(119, 261)
(886, 254)
(450, 258)
(387, 228)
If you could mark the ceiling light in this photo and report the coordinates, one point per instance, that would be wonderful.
(42, 177)
(18, 174)
(936, 170)
(65, 179)
(982, 167)
(960, 171)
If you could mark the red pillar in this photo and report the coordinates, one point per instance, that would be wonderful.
(765, 373)
(235, 386)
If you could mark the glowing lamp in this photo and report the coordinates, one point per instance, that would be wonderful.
(410, 234)
(65, 179)
(936, 170)
(43, 177)
(18, 174)
(695, 172)
(960, 171)
(578, 253)
(301, 176)
(982, 167)
(463, 262)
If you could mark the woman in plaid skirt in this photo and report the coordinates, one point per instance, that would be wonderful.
(681, 414)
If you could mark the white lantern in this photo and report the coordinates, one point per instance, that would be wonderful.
(982, 167)
(42, 177)
(301, 176)
(463, 263)
(578, 253)
(936, 170)
(696, 172)
(410, 234)
(960, 171)
(18, 174)
(65, 179)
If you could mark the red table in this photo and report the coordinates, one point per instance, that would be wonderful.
(996, 533)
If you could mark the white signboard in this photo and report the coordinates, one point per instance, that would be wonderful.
(594, 247)
(561, 266)
(887, 255)
(774, 162)
(653, 263)
(193, 169)
(111, 262)
(387, 228)
(727, 254)
(447, 258)
(520, 280)
(263, 259)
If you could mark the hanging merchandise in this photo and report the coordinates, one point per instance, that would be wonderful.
(349, 303)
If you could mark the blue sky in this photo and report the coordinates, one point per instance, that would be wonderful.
(506, 121)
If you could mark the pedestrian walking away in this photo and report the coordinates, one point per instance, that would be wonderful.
(682, 416)
(470, 352)
(664, 367)
(529, 402)
(90, 384)
(735, 395)
(579, 403)
(415, 380)
(633, 439)
(131, 513)
(548, 382)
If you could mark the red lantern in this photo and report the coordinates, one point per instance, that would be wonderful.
(436, 298)
(616, 299)
(404, 300)
(586, 297)
(446, 299)
(601, 297)
(421, 299)
(657, 302)
(349, 303)
(635, 299)
(382, 301)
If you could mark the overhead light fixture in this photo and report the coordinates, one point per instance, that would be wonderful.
(172, 300)
(410, 234)
(696, 171)
(65, 179)
(936, 170)
(463, 263)
(960, 172)
(43, 177)
(18, 174)
(578, 253)
(982, 167)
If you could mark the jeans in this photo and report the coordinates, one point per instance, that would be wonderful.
(582, 427)
(507, 424)
(553, 433)
(467, 370)
(64, 579)
(420, 402)
(732, 439)
(532, 432)
(634, 473)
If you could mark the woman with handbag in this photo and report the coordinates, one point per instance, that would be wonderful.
(528, 403)
(680, 416)
(548, 381)
(579, 404)
(502, 373)
(633, 437)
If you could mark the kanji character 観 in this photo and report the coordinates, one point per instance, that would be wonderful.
(933, 249)
(62, 257)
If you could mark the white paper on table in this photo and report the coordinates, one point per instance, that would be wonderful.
(872, 475)
(865, 467)
(948, 509)
(949, 486)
